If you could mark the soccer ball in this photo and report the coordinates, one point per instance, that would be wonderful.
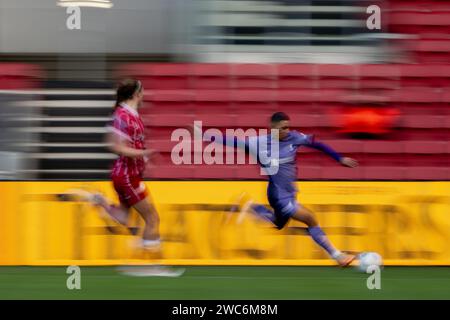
(367, 259)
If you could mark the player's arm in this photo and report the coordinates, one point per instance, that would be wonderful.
(345, 161)
(230, 141)
(118, 140)
(119, 146)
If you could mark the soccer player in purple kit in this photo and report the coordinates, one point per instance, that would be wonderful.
(281, 191)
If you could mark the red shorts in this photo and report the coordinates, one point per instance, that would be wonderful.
(131, 190)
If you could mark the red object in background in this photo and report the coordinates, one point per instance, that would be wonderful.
(370, 120)
(20, 76)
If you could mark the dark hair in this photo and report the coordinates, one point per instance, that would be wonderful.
(126, 89)
(279, 116)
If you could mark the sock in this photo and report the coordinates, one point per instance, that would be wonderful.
(322, 240)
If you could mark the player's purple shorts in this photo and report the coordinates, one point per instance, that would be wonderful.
(284, 208)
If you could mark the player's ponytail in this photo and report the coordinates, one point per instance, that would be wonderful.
(126, 89)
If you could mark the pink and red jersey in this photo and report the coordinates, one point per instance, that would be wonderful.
(128, 125)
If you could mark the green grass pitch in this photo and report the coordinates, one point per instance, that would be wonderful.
(219, 282)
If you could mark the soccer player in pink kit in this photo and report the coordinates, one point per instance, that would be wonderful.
(126, 139)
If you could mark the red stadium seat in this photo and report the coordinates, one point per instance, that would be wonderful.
(297, 76)
(421, 18)
(334, 95)
(161, 145)
(422, 101)
(248, 171)
(375, 76)
(211, 76)
(447, 122)
(215, 108)
(214, 103)
(383, 146)
(158, 132)
(427, 173)
(20, 76)
(419, 95)
(427, 147)
(341, 173)
(429, 51)
(170, 102)
(346, 146)
(332, 101)
(438, 134)
(134, 69)
(217, 120)
(312, 158)
(169, 172)
(294, 101)
(255, 121)
(425, 75)
(298, 95)
(21, 69)
(140, 71)
(224, 172)
(254, 76)
(382, 159)
(310, 120)
(422, 121)
(446, 95)
(419, 21)
(309, 172)
(418, 6)
(168, 120)
(255, 102)
(384, 173)
(169, 76)
(337, 76)
(427, 160)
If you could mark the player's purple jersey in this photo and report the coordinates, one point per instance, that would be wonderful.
(285, 174)
(285, 162)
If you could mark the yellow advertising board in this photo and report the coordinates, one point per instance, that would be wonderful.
(408, 223)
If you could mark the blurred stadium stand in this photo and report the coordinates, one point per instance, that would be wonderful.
(15, 143)
(307, 31)
(414, 145)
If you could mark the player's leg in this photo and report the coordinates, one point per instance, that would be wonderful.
(261, 211)
(134, 194)
(148, 212)
(264, 213)
(118, 213)
(130, 191)
(151, 243)
(246, 205)
(258, 210)
(306, 216)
